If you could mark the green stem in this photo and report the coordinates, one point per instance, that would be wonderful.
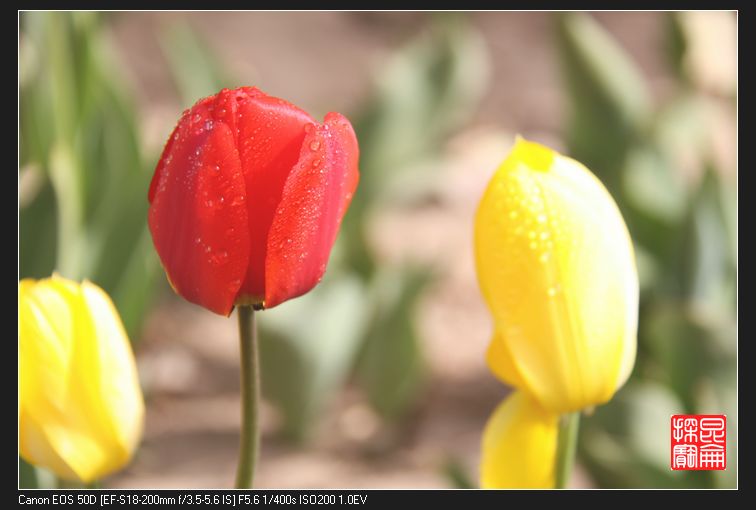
(249, 445)
(566, 447)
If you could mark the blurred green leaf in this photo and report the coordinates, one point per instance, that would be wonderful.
(27, 476)
(37, 230)
(609, 104)
(650, 184)
(391, 367)
(195, 68)
(707, 273)
(458, 475)
(308, 347)
(676, 45)
(626, 443)
(425, 92)
(78, 130)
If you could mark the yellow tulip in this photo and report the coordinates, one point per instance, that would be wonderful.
(556, 267)
(81, 410)
(519, 445)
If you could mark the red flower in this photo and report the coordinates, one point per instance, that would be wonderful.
(247, 199)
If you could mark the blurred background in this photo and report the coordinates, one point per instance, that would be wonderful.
(377, 377)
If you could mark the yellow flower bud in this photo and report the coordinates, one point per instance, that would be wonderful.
(81, 410)
(519, 445)
(556, 267)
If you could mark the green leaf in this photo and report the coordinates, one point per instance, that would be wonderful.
(195, 68)
(675, 42)
(425, 92)
(391, 366)
(625, 444)
(707, 270)
(88, 217)
(609, 104)
(650, 184)
(27, 476)
(458, 475)
(37, 233)
(308, 347)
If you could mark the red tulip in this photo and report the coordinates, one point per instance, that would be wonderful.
(247, 199)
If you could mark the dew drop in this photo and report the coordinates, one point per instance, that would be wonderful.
(314, 145)
(198, 240)
(208, 125)
(316, 162)
(197, 117)
(207, 248)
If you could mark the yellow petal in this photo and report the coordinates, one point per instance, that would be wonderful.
(80, 405)
(118, 394)
(500, 362)
(519, 445)
(556, 266)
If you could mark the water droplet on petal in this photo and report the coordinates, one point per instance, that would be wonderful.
(316, 162)
(314, 145)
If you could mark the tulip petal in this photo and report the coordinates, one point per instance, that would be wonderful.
(519, 445)
(269, 135)
(555, 264)
(500, 361)
(198, 214)
(81, 408)
(105, 352)
(36, 447)
(315, 197)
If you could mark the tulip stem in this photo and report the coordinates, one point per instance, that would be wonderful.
(566, 448)
(249, 445)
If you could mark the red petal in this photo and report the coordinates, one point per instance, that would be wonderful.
(198, 214)
(269, 138)
(315, 197)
